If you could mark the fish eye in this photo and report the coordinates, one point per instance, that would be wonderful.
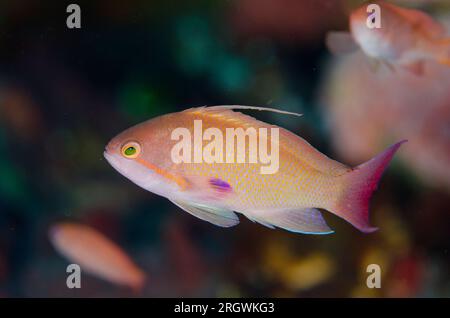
(131, 150)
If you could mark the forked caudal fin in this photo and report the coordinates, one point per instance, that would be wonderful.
(358, 186)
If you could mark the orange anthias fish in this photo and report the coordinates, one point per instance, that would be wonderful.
(405, 38)
(96, 254)
(287, 198)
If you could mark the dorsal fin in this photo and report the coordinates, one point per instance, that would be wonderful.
(226, 113)
(289, 141)
(221, 108)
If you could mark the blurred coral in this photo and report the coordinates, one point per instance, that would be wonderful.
(296, 272)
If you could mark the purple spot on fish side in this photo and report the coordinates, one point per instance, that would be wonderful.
(220, 185)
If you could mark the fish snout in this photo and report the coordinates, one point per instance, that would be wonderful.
(112, 147)
(109, 151)
(110, 154)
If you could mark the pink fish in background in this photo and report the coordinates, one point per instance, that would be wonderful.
(96, 254)
(288, 199)
(406, 38)
(389, 106)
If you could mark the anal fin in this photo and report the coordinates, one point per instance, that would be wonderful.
(254, 219)
(306, 220)
(217, 216)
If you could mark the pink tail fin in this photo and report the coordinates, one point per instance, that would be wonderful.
(358, 185)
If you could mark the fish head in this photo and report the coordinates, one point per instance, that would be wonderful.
(369, 39)
(140, 154)
(387, 41)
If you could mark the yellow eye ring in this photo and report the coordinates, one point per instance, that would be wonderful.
(131, 150)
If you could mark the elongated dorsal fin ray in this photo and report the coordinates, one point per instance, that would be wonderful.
(240, 107)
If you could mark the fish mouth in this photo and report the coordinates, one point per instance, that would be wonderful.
(107, 156)
(116, 162)
(111, 159)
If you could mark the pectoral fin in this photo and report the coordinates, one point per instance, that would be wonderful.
(208, 188)
(217, 216)
(306, 221)
(417, 68)
(254, 219)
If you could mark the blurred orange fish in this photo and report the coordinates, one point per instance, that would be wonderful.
(404, 38)
(288, 199)
(96, 254)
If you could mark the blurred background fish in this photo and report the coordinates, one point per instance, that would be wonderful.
(388, 106)
(399, 37)
(96, 254)
(65, 92)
